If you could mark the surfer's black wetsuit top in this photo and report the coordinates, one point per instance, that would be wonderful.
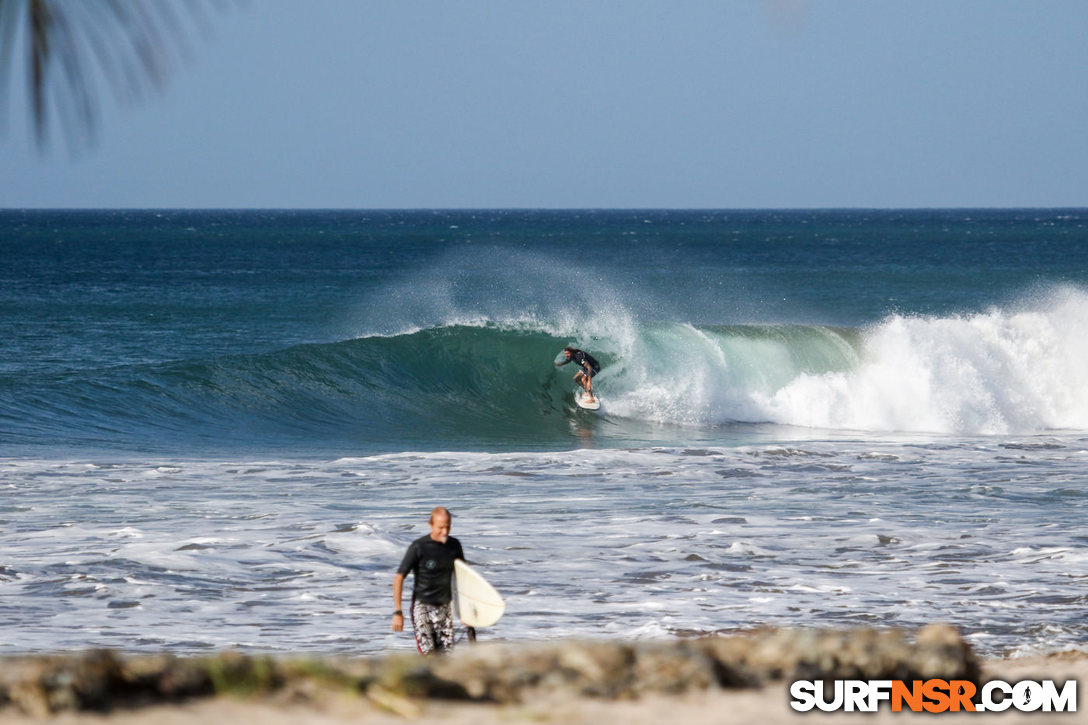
(580, 358)
(432, 564)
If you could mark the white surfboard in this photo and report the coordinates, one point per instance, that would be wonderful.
(582, 399)
(477, 601)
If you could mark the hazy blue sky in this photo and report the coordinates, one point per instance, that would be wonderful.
(583, 103)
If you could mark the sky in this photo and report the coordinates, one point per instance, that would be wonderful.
(592, 104)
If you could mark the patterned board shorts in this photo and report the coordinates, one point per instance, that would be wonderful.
(433, 626)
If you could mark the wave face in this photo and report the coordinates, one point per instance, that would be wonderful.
(1015, 370)
(458, 382)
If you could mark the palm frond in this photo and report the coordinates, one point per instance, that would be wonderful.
(75, 48)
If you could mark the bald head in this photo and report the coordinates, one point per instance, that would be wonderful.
(440, 524)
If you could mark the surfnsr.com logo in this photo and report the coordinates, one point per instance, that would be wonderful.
(933, 696)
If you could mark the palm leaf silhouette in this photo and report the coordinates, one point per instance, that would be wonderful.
(74, 48)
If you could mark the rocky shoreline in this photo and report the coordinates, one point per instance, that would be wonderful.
(499, 674)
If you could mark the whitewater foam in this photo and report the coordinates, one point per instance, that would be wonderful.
(298, 555)
(1005, 371)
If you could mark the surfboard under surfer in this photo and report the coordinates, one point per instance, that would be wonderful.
(430, 559)
(588, 367)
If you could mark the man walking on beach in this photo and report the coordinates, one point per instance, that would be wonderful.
(430, 559)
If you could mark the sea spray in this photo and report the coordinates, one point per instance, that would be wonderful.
(480, 285)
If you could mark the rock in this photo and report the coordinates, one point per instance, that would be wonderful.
(503, 673)
(940, 652)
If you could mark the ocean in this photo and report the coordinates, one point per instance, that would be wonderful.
(221, 429)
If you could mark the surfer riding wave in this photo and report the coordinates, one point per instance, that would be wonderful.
(588, 367)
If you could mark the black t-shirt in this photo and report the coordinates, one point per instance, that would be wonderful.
(580, 358)
(432, 564)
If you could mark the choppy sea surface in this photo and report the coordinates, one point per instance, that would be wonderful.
(221, 429)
